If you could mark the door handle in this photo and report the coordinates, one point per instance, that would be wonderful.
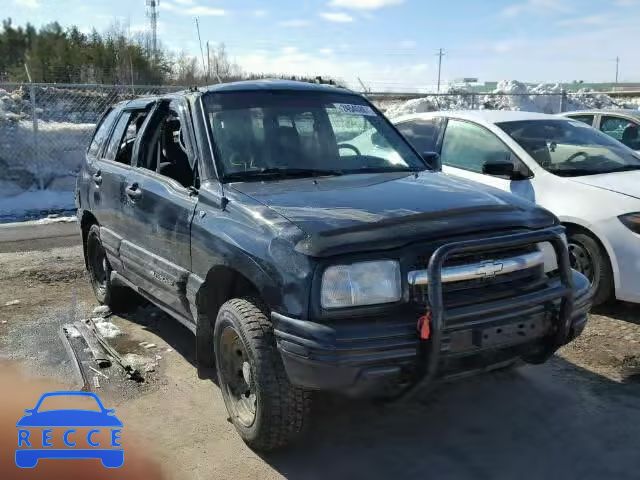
(133, 191)
(97, 177)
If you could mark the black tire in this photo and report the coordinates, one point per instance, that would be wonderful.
(589, 258)
(281, 410)
(116, 297)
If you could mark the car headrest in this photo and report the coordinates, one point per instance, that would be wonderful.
(630, 133)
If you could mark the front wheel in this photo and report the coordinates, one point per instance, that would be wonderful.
(266, 410)
(589, 258)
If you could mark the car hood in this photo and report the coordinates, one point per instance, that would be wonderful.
(626, 183)
(69, 418)
(337, 213)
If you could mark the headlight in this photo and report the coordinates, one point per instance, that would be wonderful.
(365, 283)
(550, 260)
(631, 221)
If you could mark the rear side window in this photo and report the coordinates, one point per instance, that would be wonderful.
(123, 138)
(102, 133)
(116, 136)
(622, 130)
(588, 119)
(423, 134)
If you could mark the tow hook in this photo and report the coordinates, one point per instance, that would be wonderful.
(424, 326)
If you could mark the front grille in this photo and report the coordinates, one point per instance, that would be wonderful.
(480, 290)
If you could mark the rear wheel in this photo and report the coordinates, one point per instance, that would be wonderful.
(114, 296)
(266, 410)
(589, 258)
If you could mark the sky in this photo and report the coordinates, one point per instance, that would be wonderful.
(387, 44)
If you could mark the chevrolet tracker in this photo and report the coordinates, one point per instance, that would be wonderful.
(303, 262)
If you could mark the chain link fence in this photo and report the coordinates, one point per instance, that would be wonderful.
(44, 132)
(45, 129)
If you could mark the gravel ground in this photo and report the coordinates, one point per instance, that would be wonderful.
(577, 416)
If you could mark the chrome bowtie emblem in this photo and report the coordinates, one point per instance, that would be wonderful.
(488, 269)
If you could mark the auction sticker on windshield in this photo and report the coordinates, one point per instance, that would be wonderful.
(353, 109)
(92, 432)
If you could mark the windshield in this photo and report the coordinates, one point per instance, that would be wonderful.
(278, 133)
(570, 148)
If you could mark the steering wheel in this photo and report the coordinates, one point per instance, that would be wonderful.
(349, 147)
(573, 157)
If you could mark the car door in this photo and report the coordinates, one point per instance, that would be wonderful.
(107, 179)
(162, 196)
(466, 148)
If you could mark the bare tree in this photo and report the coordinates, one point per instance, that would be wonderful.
(222, 67)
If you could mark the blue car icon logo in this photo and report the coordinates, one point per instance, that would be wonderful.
(34, 445)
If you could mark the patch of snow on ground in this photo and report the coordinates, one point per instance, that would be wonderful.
(44, 221)
(105, 328)
(72, 332)
(35, 203)
(102, 311)
(56, 219)
(140, 362)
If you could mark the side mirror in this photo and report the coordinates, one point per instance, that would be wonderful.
(433, 160)
(501, 169)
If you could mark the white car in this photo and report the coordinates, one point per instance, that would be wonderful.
(623, 125)
(588, 180)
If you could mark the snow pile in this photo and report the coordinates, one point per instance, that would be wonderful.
(508, 95)
(13, 106)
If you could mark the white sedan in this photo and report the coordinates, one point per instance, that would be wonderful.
(588, 180)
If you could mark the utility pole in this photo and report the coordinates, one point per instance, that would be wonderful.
(617, 68)
(440, 54)
(152, 14)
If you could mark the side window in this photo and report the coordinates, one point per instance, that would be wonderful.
(170, 155)
(621, 129)
(116, 136)
(102, 133)
(470, 146)
(588, 119)
(422, 134)
(133, 129)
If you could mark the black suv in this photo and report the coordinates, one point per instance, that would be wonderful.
(309, 247)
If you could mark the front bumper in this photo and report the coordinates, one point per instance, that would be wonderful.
(383, 355)
(623, 248)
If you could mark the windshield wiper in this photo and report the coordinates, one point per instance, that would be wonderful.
(383, 170)
(625, 168)
(579, 172)
(281, 173)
